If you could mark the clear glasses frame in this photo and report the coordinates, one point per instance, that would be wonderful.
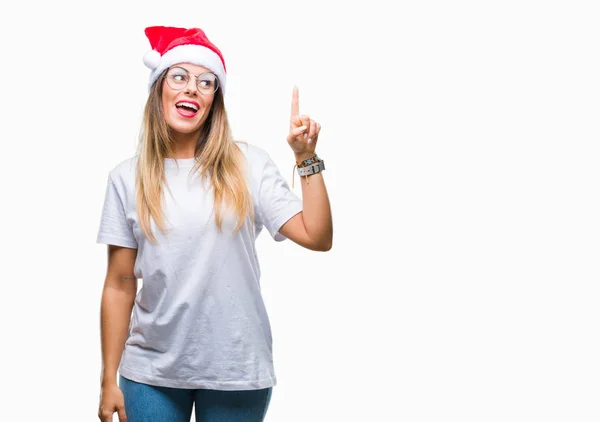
(178, 85)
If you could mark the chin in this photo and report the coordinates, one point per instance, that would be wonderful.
(184, 127)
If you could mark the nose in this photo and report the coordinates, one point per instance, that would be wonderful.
(191, 88)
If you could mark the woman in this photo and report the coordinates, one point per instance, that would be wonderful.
(183, 214)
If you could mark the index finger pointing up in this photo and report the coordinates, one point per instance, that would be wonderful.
(295, 102)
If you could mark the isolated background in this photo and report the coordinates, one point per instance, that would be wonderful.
(461, 142)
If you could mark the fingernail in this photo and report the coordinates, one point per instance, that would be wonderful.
(309, 139)
(305, 135)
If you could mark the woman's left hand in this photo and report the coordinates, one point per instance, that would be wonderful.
(304, 132)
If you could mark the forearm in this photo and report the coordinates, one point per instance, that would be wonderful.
(316, 211)
(115, 316)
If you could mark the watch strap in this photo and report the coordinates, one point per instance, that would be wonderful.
(312, 169)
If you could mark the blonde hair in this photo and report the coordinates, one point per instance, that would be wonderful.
(222, 162)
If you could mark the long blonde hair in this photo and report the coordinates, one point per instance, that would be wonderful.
(222, 162)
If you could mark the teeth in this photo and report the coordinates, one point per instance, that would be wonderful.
(190, 105)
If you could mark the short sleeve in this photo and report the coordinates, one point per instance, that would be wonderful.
(277, 203)
(114, 228)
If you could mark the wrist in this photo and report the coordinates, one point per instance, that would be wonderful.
(108, 378)
(304, 156)
(108, 382)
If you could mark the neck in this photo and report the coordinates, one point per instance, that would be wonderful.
(184, 144)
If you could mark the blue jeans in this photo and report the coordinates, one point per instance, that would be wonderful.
(149, 403)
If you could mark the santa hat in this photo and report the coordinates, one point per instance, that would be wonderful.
(180, 45)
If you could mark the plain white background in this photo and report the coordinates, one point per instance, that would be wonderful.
(461, 142)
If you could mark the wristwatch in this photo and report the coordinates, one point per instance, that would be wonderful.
(312, 169)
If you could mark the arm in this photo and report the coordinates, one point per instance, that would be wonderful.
(313, 227)
(118, 296)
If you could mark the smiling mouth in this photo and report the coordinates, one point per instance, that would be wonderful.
(187, 109)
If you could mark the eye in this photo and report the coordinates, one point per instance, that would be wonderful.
(178, 75)
(207, 82)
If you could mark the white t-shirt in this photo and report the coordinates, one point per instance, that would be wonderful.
(199, 320)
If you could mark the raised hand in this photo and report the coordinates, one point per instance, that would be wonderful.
(304, 132)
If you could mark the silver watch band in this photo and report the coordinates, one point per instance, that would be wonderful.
(312, 169)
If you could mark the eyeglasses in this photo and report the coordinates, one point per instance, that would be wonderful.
(178, 78)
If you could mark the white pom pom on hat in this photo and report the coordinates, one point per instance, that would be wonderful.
(172, 45)
(151, 59)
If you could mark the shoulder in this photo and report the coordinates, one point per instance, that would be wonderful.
(253, 153)
(261, 166)
(123, 173)
(257, 158)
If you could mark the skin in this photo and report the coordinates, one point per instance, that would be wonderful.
(311, 228)
(186, 130)
(118, 297)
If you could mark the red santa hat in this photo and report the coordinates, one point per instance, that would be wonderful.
(180, 45)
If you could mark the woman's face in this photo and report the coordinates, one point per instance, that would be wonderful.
(186, 110)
